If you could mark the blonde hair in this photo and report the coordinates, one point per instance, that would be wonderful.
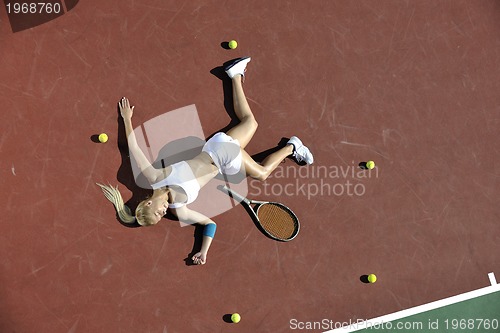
(142, 212)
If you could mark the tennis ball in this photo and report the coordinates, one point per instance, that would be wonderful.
(235, 318)
(103, 137)
(233, 44)
(370, 165)
(372, 278)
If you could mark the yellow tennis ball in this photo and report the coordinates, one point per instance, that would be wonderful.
(372, 278)
(103, 137)
(233, 44)
(370, 165)
(235, 318)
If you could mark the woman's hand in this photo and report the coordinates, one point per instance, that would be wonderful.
(125, 109)
(200, 258)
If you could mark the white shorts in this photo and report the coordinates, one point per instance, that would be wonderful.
(225, 152)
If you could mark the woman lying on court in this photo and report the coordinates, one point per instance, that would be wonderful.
(177, 185)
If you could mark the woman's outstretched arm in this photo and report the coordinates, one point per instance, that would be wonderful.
(143, 163)
(189, 216)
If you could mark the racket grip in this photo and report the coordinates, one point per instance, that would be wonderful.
(235, 195)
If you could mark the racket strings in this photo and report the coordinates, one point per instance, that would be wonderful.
(277, 221)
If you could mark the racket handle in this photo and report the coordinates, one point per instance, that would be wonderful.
(235, 195)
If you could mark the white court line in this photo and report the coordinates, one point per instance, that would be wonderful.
(493, 280)
(419, 309)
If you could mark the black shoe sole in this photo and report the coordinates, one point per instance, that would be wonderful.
(230, 64)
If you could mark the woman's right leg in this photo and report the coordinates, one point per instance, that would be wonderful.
(268, 165)
(245, 130)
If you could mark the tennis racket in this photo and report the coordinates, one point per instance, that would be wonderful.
(273, 218)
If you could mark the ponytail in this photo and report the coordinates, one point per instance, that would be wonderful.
(112, 194)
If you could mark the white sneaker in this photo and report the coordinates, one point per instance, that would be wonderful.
(237, 66)
(300, 152)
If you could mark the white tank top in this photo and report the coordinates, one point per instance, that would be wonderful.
(181, 176)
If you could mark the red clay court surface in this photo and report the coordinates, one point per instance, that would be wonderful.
(412, 85)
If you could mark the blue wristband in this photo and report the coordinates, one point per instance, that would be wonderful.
(209, 230)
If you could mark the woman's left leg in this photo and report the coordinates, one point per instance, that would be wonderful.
(270, 163)
(245, 130)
